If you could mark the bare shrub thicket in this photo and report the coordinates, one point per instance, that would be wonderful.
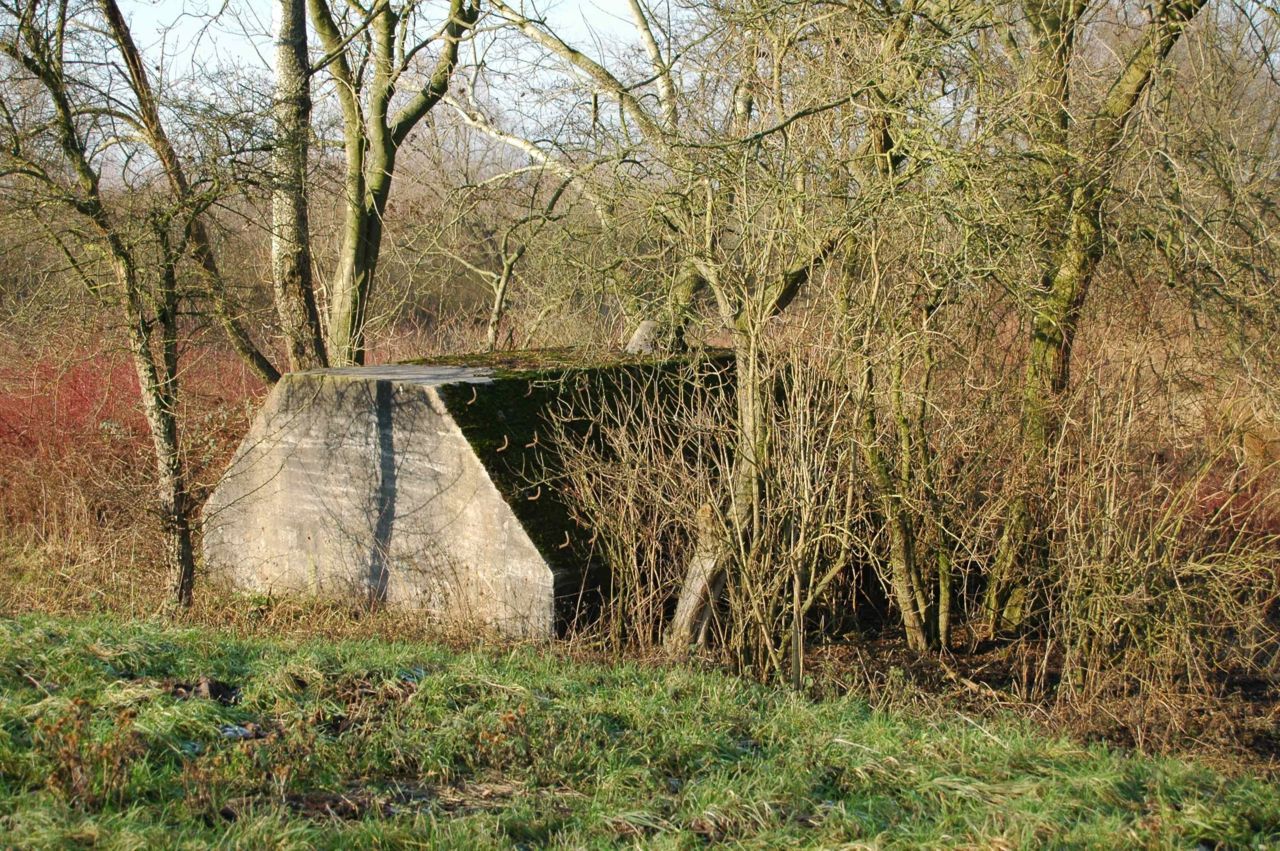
(1002, 369)
(639, 462)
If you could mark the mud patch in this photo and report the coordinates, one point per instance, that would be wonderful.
(205, 688)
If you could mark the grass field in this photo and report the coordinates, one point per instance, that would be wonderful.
(144, 736)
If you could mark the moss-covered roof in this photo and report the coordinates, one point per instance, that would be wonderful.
(523, 362)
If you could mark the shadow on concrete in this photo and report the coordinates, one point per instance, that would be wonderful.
(385, 506)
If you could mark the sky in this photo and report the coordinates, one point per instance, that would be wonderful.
(237, 32)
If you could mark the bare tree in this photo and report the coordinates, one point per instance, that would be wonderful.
(148, 111)
(61, 133)
(1074, 150)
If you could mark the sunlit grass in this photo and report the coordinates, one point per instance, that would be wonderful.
(366, 743)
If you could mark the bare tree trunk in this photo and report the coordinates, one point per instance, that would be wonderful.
(158, 384)
(500, 289)
(1082, 177)
(1024, 548)
(904, 578)
(201, 244)
(290, 235)
(707, 571)
(349, 292)
(156, 364)
(667, 333)
(370, 153)
(714, 550)
(157, 373)
(702, 586)
(172, 494)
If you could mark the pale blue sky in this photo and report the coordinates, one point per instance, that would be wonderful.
(183, 31)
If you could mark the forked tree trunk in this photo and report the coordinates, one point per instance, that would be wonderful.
(501, 287)
(372, 135)
(201, 243)
(144, 312)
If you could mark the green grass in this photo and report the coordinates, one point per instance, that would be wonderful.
(376, 744)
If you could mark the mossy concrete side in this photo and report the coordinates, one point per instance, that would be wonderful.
(537, 398)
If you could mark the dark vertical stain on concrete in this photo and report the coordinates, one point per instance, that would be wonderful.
(385, 507)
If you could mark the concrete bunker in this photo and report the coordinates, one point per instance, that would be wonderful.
(421, 485)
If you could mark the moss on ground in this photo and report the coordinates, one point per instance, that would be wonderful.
(130, 735)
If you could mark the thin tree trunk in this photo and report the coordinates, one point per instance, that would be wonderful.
(500, 288)
(201, 244)
(158, 385)
(1024, 548)
(903, 573)
(708, 569)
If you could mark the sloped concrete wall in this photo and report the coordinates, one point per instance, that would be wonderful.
(358, 483)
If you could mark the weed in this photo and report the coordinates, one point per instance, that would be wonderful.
(88, 772)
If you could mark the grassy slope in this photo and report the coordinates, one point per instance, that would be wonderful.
(372, 743)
